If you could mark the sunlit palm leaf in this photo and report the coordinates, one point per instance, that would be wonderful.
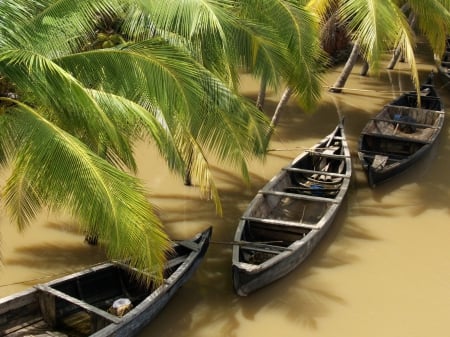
(433, 20)
(104, 199)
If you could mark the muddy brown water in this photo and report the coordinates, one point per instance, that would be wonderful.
(383, 269)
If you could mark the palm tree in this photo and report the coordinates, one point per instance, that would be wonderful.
(300, 70)
(70, 116)
(431, 19)
(274, 40)
(377, 27)
(348, 67)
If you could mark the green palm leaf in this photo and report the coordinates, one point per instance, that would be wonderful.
(104, 199)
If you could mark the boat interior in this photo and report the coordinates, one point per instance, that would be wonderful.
(404, 124)
(78, 306)
(294, 205)
(318, 174)
(427, 101)
(267, 240)
(74, 307)
(395, 149)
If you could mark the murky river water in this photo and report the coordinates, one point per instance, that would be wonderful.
(382, 270)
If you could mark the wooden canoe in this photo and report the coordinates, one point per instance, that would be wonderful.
(290, 214)
(96, 302)
(400, 134)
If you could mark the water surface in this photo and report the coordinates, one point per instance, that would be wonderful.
(382, 269)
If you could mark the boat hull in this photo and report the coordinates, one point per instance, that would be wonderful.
(400, 135)
(248, 280)
(80, 304)
(289, 216)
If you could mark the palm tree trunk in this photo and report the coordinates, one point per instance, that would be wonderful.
(188, 171)
(364, 69)
(91, 239)
(261, 95)
(395, 57)
(340, 82)
(281, 104)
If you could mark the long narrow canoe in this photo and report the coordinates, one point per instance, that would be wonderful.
(104, 300)
(400, 134)
(290, 214)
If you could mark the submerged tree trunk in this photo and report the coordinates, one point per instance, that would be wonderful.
(276, 115)
(187, 177)
(281, 104)
(261, 95)
(187, 173)
(395, 58)
(351, 61)
(364, 69)
(91, 239)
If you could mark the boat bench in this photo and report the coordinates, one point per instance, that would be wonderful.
(280, 222)
(189, 244)
(373, 154)
(419, 125)
(301, 189)
(327, 154)
(298, 196)
(47, 302)
(331, 174)
(400, 138)
(264, 248)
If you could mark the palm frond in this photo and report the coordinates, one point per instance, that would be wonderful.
(56, 170)
(42, 82)
(70, 24)
(298, 28)
(433, 21)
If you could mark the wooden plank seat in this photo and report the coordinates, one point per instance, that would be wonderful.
(373, 154)
(420, 125)
(331, 174)
(366, 155)
(320, 162)
(298, 196)
(400, 138)
(263, 247)
(327, 155)
(280, 222)
(309, 189)
(47, 298)
(175, 262)
(379, 161)
(414, 95)
(189, 244)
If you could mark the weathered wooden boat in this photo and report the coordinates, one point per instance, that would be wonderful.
(290, 214)
(400, 134)
(104, 300)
